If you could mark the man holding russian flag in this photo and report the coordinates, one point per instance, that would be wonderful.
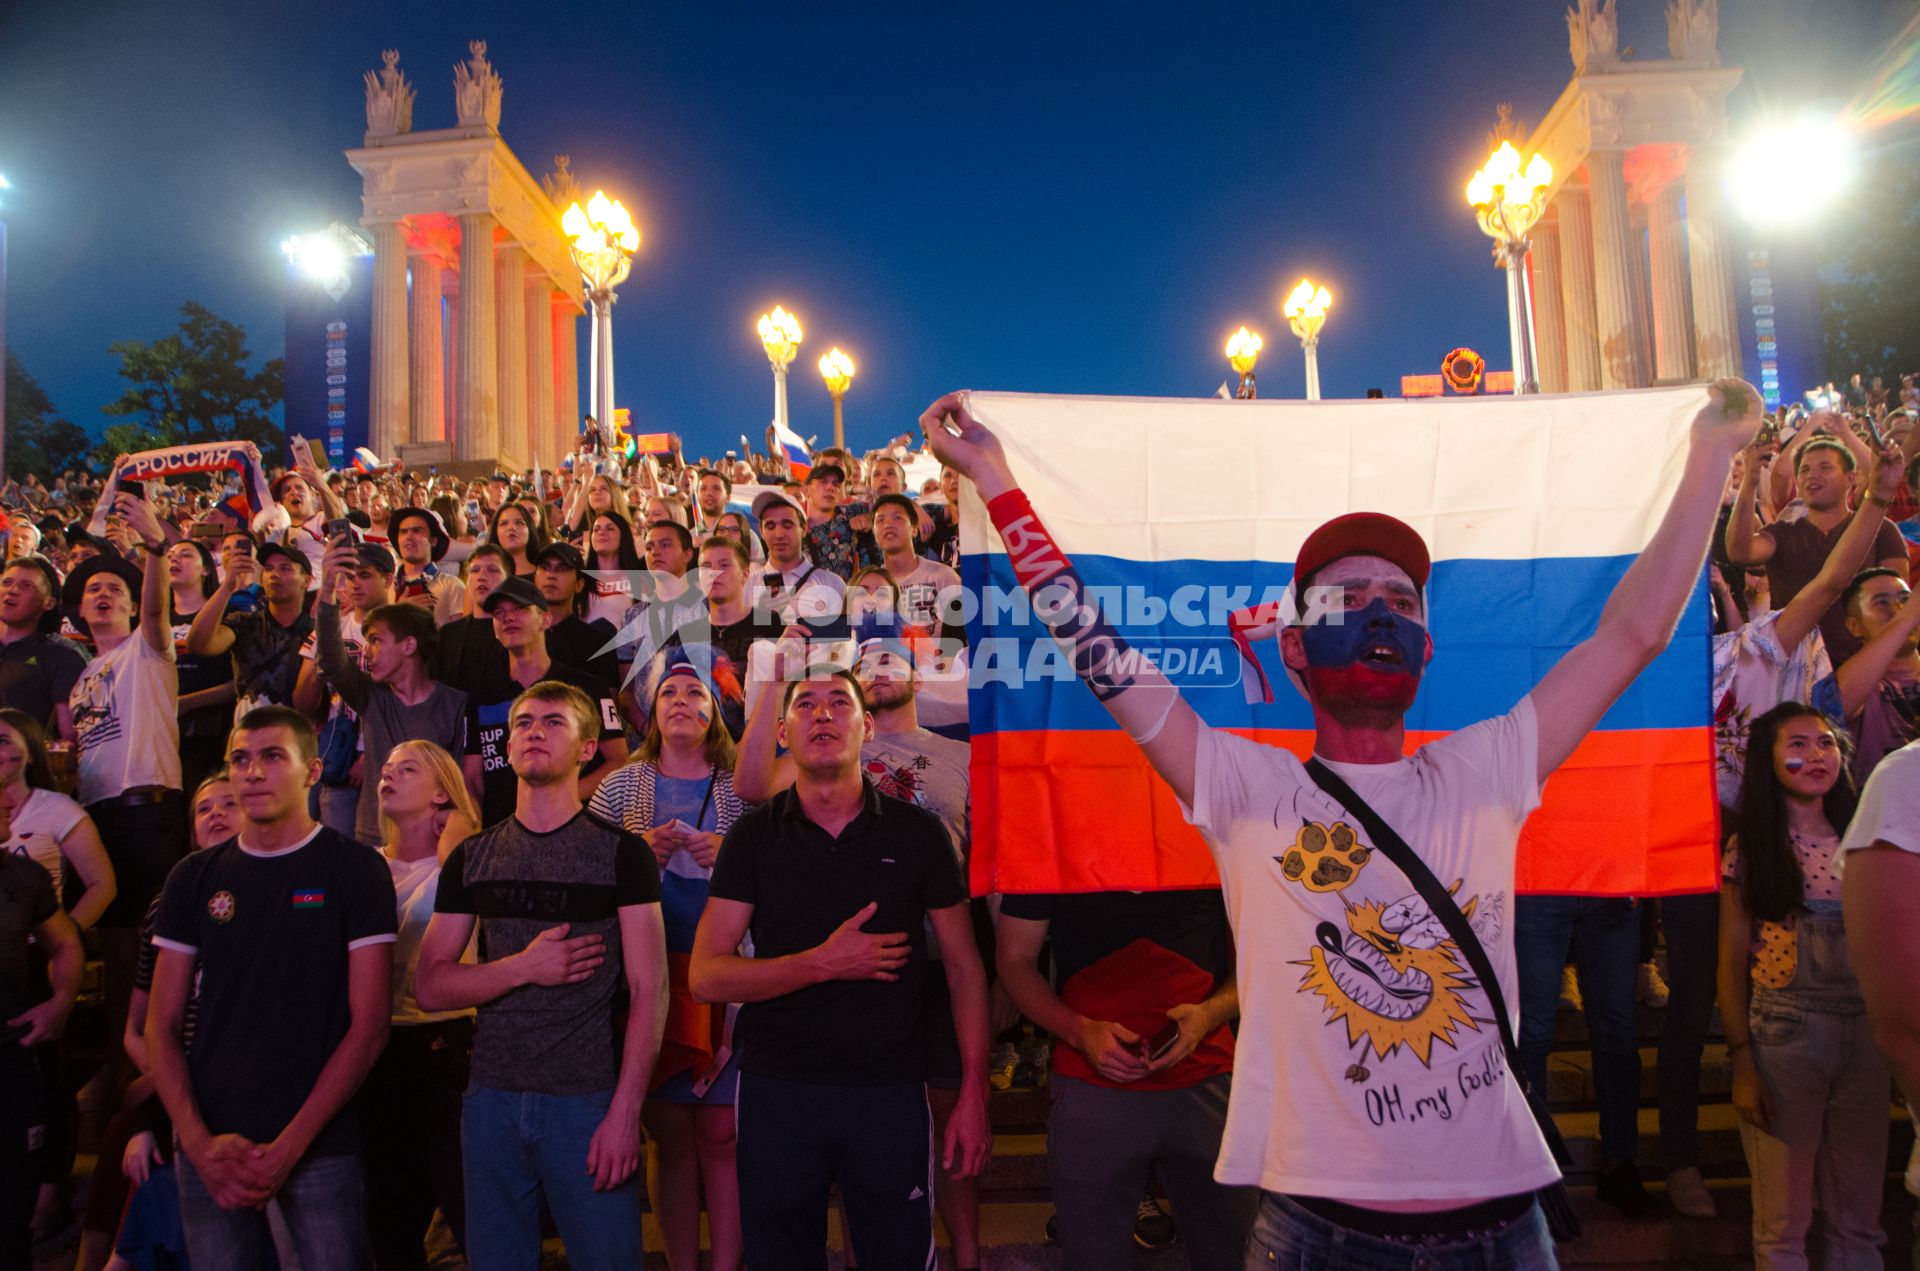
(1364, 1132)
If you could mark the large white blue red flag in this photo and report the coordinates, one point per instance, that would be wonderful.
(1180, 514)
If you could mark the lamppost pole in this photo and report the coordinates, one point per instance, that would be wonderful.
(780, 336)
(603, 238)
(1243, 350)
(1306, 311)
(836, 368)
(1507, 199)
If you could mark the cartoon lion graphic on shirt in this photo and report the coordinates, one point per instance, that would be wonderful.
(1395, 977)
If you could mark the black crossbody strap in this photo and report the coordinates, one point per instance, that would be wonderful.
(1441, 904)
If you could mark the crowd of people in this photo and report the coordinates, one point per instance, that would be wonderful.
(457, 852)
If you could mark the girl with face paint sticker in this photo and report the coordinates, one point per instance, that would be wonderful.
(1808, 1081)
(678, 795)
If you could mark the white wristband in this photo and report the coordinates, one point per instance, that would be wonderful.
(1141, 739)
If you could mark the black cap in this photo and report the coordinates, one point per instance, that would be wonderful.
(373, 556)
(436, 529)
(516, 589)
(566, 553)
(269, 550)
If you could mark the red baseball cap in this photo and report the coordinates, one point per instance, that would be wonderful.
(1365, 534)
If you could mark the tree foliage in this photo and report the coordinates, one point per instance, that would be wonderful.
(1872, 297)
(39, 440)
(194, 386)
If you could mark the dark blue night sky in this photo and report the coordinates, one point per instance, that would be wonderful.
(1063, 198)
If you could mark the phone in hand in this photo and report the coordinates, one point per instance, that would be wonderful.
(340, 529)
(1162, 1043)
(138, 489)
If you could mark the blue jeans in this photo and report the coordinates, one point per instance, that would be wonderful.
(521, 1148)
(323, 1203)
(1288, 1236)
(1609, 959)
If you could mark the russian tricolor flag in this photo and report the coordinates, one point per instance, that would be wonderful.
(1533, 507)
(799, 458)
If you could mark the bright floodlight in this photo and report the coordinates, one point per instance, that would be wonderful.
(319, 256)
(1792, 172)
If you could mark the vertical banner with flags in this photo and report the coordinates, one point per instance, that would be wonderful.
(1180, 514)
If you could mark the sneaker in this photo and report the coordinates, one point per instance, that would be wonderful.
(1653, 989)
(1687, 1193)
(1152, 1226)
(1001, 1065)
(1619, 1186)
(1570, 990)
(1036, 1062)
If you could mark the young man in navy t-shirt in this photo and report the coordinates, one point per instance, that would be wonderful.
(290, 928)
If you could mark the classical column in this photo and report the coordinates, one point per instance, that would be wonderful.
(537, 306)
(1716, 333)
(451, 397)
(429, 355)
(479, 434)
(388, 416)
(566, 372)
(1672, 324)
(1549, 316)
(511, 356)
(1621, 363)
(1639, 277)
(1576, 289)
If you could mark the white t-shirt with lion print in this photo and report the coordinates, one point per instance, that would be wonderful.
(1368, 1066)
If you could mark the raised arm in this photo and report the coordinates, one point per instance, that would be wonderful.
(1640, 615)
(760, 771)
(1141, 699)
(209, 635)
(1858, 678)
(1745, 544)
(154, 628)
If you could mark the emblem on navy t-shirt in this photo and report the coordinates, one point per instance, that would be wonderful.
(220, 906)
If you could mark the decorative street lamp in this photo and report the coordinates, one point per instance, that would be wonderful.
(1306, 309)
(604, 239)
(836, 368)
(780, 336)
(1243, 350)
(1507, 199)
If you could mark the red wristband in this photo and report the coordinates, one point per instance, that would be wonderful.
(1031, 551)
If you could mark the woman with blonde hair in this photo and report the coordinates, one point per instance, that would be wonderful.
(599, 493)
(678, 795)
(413, 1093)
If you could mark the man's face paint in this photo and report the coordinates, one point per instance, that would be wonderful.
(1374, 656)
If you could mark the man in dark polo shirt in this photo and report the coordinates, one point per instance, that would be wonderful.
(832, 1059)
(1794, 551)
(37, 669)
(1142, 1002)
(568, 912)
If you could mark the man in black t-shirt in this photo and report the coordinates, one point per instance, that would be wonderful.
(28, 912)
(568, 912)
(37, 669)
(266, 640)
(832, 1060)
(518, 612)
(289, 928)
(1142, 1001)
